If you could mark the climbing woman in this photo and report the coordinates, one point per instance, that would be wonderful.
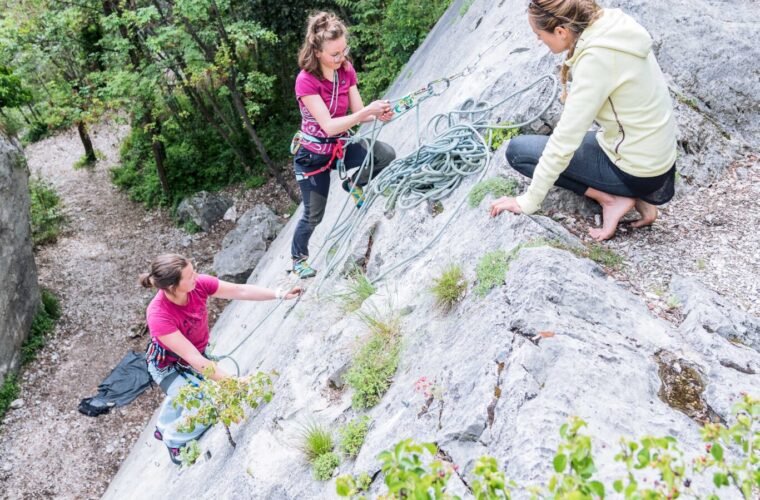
(178, 323)
(616, 82)
(326, 89)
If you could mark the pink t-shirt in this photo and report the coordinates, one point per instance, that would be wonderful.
(165, 317)
(308, 84)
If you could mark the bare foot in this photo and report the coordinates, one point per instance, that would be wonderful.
(613, 209)
(648, 214)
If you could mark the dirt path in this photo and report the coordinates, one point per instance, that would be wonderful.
(47, 448)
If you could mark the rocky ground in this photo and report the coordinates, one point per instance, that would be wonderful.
(47, 448)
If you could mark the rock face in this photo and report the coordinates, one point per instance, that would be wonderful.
(19, 295)
(506, 390)
(203, 208)
(243, 247)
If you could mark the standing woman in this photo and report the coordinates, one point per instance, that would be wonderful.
(177, 319)
(326, 89)
(617, 83)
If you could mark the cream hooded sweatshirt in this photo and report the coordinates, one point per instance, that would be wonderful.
(617, 83)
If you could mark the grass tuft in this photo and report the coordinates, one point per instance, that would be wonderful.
(491, 271)
(449, 288)
(495, 186)
(359, 289)
(316, 440)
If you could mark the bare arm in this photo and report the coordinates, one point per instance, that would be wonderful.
(234, 291)
(338, 125)
(179, 345)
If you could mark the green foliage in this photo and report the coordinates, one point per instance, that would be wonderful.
(574, 465)
(12, 92)
(190, 227)
(411, 471)
(350, 486)
(449, 288)
(491, 271)
(495, 186)
(501, 135)
(45, 212)
(190, 453)
(324, 466)
(8, 392)
(316, 440)
(673, 302)
(223, 400)
(83, 162)
(358, 289)
(601, 255)
(352, 435)
(43, 323)
(465, 7)
(491, 482)
(375, 363)
(36, 132)
(255, 181)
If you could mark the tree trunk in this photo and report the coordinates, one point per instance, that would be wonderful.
(21, 112)
(159, 155)
(229, 436)
(86, 142)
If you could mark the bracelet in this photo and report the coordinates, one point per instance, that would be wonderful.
(278, 294)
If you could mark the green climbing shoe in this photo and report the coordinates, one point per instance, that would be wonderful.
(303, 269)
(356, 192)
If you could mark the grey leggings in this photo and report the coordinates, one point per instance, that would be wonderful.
(589, 168)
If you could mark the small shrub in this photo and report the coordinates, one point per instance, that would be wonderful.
(449, 288)
(372, 370)
(316, 440)
(352, 435)
(324, 466)
(410, 471)
(359, 289)
(223, 400)
(673, 302)
(190, 453)
(43, 323)
(84, 161)
(191, 227)
(350, 486)
(255, 181)
(495, 186)
(8, 392)
(36, 132)
(491, 271)
(51, 304)
(45, 212)
(501, 135)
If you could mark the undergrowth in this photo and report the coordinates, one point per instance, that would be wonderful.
(495, 186)
(449, 288)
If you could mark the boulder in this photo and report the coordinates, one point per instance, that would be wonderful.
(19, 295)
(203, 208)
(243, 247)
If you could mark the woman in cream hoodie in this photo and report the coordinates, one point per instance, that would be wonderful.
(616, 82)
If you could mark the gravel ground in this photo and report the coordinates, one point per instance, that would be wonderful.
(47, 448)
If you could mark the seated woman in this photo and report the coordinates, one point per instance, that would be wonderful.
(617, 83)
(326, 88)
(178, 323)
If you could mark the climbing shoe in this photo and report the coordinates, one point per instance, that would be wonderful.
(356, 192)
(174, 455)
(303, 269)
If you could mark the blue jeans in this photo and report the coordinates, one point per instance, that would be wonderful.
(590, 168)
(314, 189)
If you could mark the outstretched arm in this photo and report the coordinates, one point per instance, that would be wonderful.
(338, 125)
(179, 345)
(235, 291)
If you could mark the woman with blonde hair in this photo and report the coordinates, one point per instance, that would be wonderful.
(616, 82)
(326, 89)
(177, 319)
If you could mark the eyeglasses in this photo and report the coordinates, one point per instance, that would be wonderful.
(341, 55)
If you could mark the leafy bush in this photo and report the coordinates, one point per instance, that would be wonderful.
(372, 370)
(8, 392)
(223, 400)
(324, 466)
(190, 453)
(43, 323)
(45, 212)
(501, 135)
(495, 186)
(36, 132)
(410, 471)
(316, 440)
(349, 486)
(449, 288)
(352, 435)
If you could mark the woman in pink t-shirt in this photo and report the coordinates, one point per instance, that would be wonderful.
(326, 88)
(178, 323)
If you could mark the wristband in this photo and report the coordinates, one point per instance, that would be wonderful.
(278, 294)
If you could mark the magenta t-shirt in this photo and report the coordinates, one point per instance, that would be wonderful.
(308, 84)
(165, 317)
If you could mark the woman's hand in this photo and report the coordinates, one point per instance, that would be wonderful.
(293, 293)
(386, 116)
(505, 203)
(378, 108)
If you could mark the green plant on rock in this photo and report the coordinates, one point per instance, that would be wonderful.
(501, 135)
(358, 289)
(449, 288)
(491, 271)
(350, 486)
(45, 211)
(491, 483)
(352, 435)
(324, 466)
(190, 453)
(604, 256)
(371, 372)
(673, 302)
(223, 400)
(574, 465)
(316, 440)
(191, 227)
(495, 186)
(43, 323)
(8, 392)
(411, 471)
